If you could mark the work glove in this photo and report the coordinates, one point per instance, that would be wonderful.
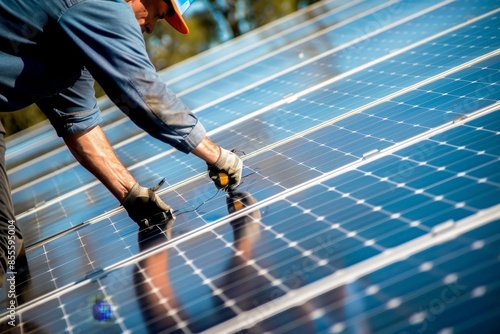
(226, 172)
(146, 208)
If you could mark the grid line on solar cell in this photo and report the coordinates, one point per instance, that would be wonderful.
(419, 138)
(183, 239)
(444, 291)
(294, 44)
(251, 263)
(220, 55)
(158, 283)
(268, 78)
(345, 276)
(437, 273)
(16, 142)
(458, 176)
(227, 301)
(123, 118)
(342, 20)
(364, 107)
(163, 153)
(343, 170)
(349, 60)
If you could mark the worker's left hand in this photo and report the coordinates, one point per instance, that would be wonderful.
(226, 172)
(146, 208)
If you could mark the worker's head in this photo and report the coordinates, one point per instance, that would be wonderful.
(148, 12)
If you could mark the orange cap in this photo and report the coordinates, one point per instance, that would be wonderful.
(176, 20)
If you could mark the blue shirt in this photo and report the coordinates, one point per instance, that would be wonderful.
(52, 50)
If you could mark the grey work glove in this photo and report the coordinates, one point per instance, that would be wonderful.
(226, 172)
(146, 208)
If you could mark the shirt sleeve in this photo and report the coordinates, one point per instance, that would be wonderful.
(73, 110)
(112, 47)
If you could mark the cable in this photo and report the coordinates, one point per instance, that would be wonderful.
(177, 213)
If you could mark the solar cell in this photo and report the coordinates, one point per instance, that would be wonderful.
(442, 289)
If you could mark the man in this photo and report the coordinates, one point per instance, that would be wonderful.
(50, 53)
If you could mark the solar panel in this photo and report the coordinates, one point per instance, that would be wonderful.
(370, 138)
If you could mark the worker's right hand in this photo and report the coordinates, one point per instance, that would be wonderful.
(227, 170)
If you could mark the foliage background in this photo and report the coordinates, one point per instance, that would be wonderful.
(211, 22)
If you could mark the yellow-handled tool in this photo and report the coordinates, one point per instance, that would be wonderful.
(223, 179)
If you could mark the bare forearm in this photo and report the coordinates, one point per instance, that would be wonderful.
(94, 152)
(207, 151)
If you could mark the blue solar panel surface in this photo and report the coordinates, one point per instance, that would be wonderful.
(370, 134)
